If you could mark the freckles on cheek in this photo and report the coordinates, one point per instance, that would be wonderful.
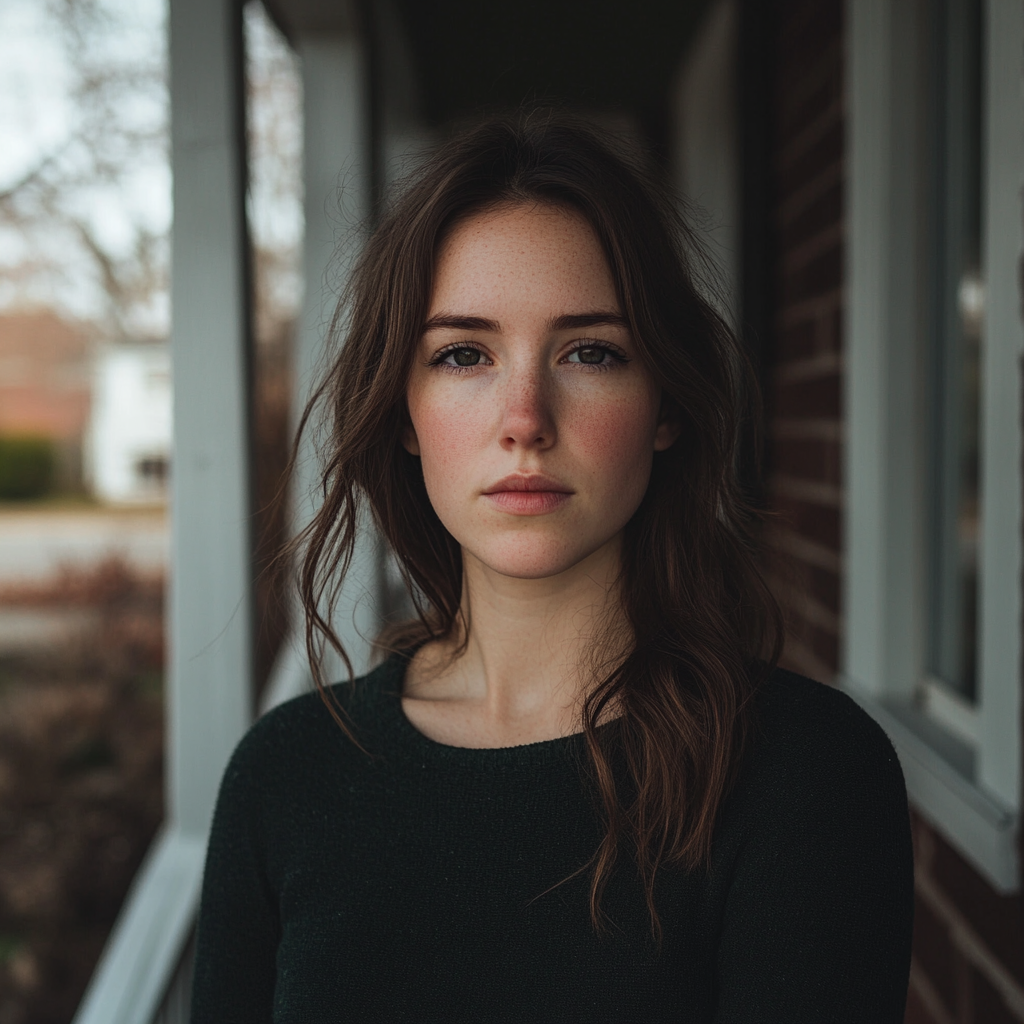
(616, 437)
(447, 434)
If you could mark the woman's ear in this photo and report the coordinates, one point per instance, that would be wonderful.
(666, 434)
(669, 427)
(410, 442)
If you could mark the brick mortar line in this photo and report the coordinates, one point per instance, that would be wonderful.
(798, 614)
(799, 200)
(799, 312)
(797, 142)
(808, 660)
(801, 255)
(810, 609)
(820, 364)
(808, 551)
(927, 993)
(814, 77)
(814, 492)
(817, 429)
(971, 945)
(811, 132)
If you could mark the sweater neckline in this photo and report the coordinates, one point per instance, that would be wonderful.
(386, 692)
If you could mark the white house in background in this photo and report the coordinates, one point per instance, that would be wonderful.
(129, 440)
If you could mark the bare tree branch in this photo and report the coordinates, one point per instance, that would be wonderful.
(32, 175)
(119, 123)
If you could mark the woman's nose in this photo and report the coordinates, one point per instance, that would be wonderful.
(528, 419)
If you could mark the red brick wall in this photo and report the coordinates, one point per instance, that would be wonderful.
(968, 965)
(804, 391)
(45, 375)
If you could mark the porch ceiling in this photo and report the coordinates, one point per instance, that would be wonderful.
(473, 54)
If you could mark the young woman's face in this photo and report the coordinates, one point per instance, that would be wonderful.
(531, 412)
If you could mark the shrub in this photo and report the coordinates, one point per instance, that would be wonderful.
(26, 466)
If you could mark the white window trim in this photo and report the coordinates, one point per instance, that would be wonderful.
(972, 795)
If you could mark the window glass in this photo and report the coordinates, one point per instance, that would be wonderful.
(955, 292)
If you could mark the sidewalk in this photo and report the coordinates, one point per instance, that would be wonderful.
(36, 542)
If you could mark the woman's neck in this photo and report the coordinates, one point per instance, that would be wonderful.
(527, 661)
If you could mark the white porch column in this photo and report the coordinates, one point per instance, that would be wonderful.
(210, 695)
(336, 180)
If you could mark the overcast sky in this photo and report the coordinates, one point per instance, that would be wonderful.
(38, 115)
(33, 84)
(35, 112)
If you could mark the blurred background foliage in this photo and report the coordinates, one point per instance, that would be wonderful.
(27, 466)
(81, 780)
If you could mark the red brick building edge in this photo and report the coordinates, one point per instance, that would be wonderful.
(968, 961)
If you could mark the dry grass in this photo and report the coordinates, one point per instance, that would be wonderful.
(81, 785)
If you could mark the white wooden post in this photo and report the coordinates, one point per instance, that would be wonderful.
(880, 603)
(336, 155)
(211, 594)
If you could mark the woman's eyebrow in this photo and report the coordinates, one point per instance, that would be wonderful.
(455, 322)
(565, 322)
(576, 321)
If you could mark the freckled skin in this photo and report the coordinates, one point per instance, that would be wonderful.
(530, 403)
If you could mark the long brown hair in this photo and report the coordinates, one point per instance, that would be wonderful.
(704, 626)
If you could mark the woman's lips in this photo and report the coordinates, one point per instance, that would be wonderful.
(528, 495)
(527, 503)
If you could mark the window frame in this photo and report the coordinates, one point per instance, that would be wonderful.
(970, 792)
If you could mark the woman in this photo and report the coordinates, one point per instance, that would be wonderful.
(579, 790)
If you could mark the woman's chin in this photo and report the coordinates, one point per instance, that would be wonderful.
(533, 561)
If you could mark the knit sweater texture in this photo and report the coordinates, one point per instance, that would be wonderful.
(415, 881)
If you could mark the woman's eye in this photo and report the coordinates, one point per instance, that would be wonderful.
(590, 355)
(462, 357)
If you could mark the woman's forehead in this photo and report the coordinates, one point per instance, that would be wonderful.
(538, 254)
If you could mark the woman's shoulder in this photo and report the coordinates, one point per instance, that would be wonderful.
(812, 744)
(300, 733)
(790, 703)
(812, 868)
(820, 795)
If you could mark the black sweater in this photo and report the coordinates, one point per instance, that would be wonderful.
(418, 882)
